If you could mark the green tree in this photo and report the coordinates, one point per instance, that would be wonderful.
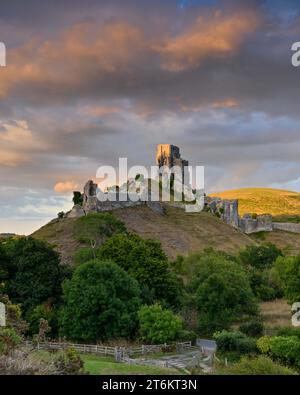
(220, 288)
(288, 270)
(43, 311)
(158, 325)
(284, 348)
(146, 262)
(101, 302)
(260, 256)
(34, 274)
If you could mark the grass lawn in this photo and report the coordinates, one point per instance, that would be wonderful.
(105, 365)
(97, 365)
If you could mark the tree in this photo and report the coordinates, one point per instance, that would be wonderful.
(34, 274)
(46, 312)
(220, 288)
(146, 262)
(101, 302)
(284, 348)
(261, 256)
(288, 270)
(235, 341)
(158, 325)
(93, 228)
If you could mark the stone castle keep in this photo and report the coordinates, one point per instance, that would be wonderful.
(169, 155)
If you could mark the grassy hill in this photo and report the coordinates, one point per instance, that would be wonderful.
(265, 201)
(179, 232)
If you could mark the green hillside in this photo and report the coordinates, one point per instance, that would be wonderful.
(178, 231)
(264, 201)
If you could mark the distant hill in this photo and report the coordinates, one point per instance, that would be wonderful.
(264, 201)
(6, 235)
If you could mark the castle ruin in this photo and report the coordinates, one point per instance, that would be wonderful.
(168, 155)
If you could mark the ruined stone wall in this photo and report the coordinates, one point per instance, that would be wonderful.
(287, 227)
(262, 223)
(118, 200)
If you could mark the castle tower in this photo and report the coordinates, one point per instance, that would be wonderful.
(169, 155)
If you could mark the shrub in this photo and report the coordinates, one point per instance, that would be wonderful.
(69, 363)
(235, 341)
(101, 302)
(261, 256)
(264, 344)
(158, 325)
(260, 365)
(253, 328)
(46, 312)
(83, 255)
(284, 348)
(288, 270)
(9, 339)
(289, 331)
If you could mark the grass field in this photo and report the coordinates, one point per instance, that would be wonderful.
(277, 202)
(97, 365)
(103, 365)
(276, 313)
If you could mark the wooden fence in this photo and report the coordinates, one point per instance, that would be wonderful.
(117, 351)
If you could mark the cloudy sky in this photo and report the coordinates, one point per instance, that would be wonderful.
(90, 81)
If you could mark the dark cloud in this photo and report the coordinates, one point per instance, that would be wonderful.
(89, 82)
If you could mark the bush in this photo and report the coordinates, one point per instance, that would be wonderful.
(83, 255)
(158, 325)
(288, 270)
(261, 256)
(101, 302)
(289, 331)
(283, 348)
(46, 312)
(235, 341)
(9, 339)
(260, 365)
(145, 261)
(69, 363)
(264, 344)
(95, 227)
(253, 328)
